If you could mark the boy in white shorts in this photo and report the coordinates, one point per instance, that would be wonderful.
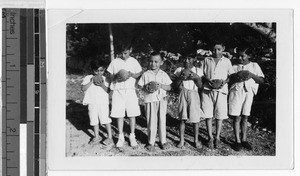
(246, 79)
(155, 83)
(123, 74)
(189, 80)
(216, 71)
(95, 87)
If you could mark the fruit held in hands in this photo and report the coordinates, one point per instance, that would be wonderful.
(243, 75)
(186, 74)
(152, 86)
(97, 80)
(216, 83)
(122, 75)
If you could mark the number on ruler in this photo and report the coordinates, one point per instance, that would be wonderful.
(42, 64)
(12, 129)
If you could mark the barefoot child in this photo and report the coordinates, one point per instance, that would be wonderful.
(216, 70)
(95, 87)
(123, 74)
(248, 76)
(155, 83)
(189, 80)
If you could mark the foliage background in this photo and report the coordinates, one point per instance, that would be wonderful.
(86, 42)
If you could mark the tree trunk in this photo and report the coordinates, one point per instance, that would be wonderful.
(111, 41)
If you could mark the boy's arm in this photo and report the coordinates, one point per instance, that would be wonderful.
(135, 75)
(86, 86)
(110, 77)
(197, 79)
(257, 79)
(165, 87)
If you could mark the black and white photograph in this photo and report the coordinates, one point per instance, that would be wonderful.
(192, 89)
(171, 89)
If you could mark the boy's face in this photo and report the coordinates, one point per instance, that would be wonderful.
(155, 62)
(99, 71)
(189, 62)
(218, 51)
(126, 54)
(243, 58)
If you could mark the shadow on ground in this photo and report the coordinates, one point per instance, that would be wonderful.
(77, 115)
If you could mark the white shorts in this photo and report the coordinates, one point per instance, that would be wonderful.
(240, 102)
(98, 113)
(125, 101)
(214, 104)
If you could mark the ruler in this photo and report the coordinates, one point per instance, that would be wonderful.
(23, 89)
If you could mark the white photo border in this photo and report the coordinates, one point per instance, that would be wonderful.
(56, 109)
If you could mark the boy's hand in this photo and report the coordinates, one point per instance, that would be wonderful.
(194, 76)
(97, 80)
(152, 86)
(216, 83)
(123, 75)
(186, 74)
(129, 74)
(243, 75)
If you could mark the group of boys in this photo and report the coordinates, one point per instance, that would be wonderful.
(203, 94)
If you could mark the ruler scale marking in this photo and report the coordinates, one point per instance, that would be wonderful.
(24, 89)
(30, 91)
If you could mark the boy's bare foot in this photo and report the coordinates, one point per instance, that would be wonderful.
(150, 148)
(210, 143)
(94, 141)
(132, 140)
(180, 145)
(165, 146)
(108, 142)
(121, 140)
(238, 147)
(246, 145)
(198, 145)
(217, 143)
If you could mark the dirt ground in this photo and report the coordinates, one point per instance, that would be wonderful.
(79, 133)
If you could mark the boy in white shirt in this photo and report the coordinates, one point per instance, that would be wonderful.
(216, 70)
(246, 79)
(155, 83)
(189, 80)
(123, 74)
(95, 87)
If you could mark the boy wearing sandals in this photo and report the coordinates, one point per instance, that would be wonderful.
(95, 87)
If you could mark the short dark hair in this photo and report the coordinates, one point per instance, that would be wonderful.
(123, 46)
(155, 53)
(95, 64)
(217, 42)
(247, 49)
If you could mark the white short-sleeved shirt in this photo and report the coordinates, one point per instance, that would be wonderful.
(95, 94)
(161, 77)
(129, 64)
(189, 84)
(220, 70)
(249, 84)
